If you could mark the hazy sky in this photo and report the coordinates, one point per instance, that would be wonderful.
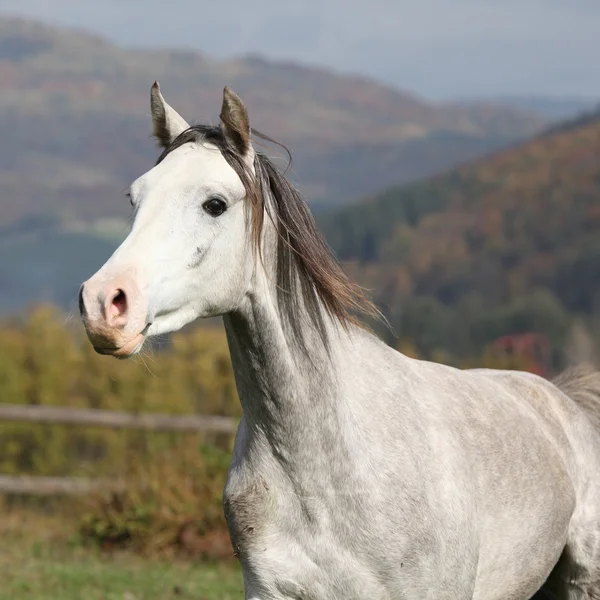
(439, 48)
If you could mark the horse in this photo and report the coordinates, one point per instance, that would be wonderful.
(357, 473)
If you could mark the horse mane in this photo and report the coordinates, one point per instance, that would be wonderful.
(308, 274)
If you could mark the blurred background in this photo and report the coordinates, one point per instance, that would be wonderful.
(449, 149)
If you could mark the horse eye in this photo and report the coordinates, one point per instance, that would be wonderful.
(128, 196)
(215, 207)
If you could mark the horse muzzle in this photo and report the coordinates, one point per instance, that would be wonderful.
(114, 314)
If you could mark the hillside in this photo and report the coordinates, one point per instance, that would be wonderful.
(75, 128)
(552, 107)
(505, 244)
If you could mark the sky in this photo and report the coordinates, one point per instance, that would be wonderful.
(439, 48)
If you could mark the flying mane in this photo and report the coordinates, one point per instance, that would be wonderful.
(308, 274)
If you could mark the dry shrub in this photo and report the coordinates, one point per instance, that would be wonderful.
(45, 361)
(172, 498)
(172, 505)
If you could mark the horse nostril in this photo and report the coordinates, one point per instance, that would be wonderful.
(118, 305)
(81, 303)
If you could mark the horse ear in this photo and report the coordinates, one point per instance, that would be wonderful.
(236, 125)
(167, 123)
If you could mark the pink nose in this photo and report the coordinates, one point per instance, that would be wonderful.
(115, 308)
(114, 314)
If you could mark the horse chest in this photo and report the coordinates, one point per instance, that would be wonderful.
(272, 559)
(248, 513)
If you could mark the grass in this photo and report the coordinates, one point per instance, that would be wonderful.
(39, 562)
(75, 577)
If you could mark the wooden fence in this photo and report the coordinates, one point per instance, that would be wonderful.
(52, 486)
(88, 417)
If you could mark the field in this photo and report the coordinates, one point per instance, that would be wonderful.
(41, 560)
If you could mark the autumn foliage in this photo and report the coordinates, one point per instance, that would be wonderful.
(507, 244)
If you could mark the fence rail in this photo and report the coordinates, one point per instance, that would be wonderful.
(116, 420)
(53, 486)
(90, 417)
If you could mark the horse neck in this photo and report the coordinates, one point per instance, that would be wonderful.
(289, 391)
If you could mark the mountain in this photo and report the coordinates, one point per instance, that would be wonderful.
(74, 117)
(505, 244)
(552, 107)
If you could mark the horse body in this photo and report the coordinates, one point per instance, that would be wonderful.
(439, 483)
(357, 473)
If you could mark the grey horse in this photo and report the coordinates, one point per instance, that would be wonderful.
(358, 473)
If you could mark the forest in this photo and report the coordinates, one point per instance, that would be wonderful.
(507, 244)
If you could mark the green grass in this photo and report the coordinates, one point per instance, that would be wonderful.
(85, 575)
(46, 567)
